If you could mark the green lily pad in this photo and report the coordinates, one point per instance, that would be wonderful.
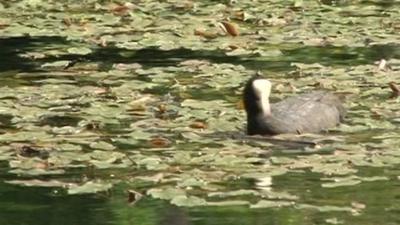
(58, 64)
(271, 204)
(166, 193)
(79, 50)
(190, 201)
(90, 187)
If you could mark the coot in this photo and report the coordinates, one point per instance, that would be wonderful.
(307, 113)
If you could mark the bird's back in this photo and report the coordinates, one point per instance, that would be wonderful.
(306, 113)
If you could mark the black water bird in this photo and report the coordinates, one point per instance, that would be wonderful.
(306, 113)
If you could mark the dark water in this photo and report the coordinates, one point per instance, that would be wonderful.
(46, 206)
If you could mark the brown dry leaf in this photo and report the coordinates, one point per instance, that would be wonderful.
(67, 21)
(3, 25)
(101, 91)
(233, 47)
(162, 108)
(198, 125)
(42, 165)
(230, 28)
(285, 87)
(239, 15)
(133, 196)
(395, 89)
(83, 23)
(102, 42)
(205, 34)
(122, 10)
(174, 169)
(158, 142)
(184, 5)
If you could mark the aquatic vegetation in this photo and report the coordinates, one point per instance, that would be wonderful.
(149, 94)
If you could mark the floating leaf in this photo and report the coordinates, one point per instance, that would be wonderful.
(89, 188)
(228, 203)
(166, 193)
(190, 201)
(102, 145)
(271, 204)
(58, 64)
(229, 28)
(79, 50)
(40, 183)
(325, 208)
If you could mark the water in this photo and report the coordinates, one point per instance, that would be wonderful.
(47, 106)
(45, 206)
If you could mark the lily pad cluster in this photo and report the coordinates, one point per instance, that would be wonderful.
(195, 25)
(174, 130)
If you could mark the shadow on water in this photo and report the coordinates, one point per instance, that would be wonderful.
(13, 48)
(383, 4)
(42, 206)
(32, 206)
(330, 55)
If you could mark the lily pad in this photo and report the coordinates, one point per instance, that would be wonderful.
(89, 188)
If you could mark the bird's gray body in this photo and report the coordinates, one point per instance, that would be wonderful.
(306, 113)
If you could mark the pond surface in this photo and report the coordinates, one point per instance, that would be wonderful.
(131, 113)
(45, 206)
